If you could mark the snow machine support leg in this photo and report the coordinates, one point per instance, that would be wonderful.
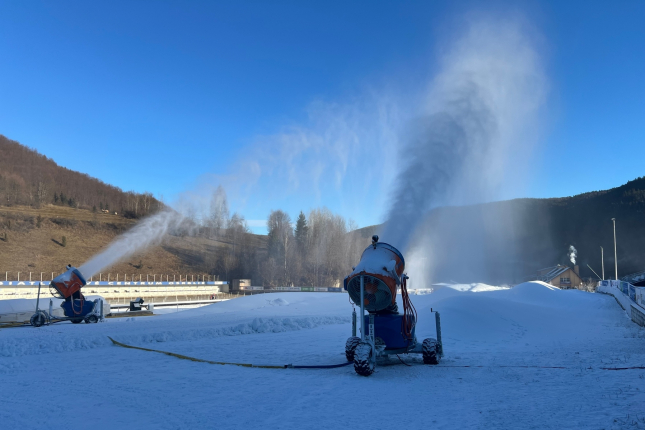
(362, 308)
(439, 343)
(38, 298)
(354, 323)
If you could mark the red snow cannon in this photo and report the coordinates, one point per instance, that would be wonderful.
(68, 284)
(381, 267)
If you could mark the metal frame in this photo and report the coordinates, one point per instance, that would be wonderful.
(370, 336)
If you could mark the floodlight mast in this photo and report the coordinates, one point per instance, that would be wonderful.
(615, 254)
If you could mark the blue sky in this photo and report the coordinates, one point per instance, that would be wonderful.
(167, 96)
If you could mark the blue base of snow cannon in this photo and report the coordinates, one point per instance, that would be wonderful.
(75, 310)
(389, 328)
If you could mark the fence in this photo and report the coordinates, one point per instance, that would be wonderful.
(630, 298)
(294, 289)
(112, 277)
(119, 291)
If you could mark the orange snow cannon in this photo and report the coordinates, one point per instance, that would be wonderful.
(373, 286)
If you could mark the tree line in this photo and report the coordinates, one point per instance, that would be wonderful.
(32, 179)
(317, 249)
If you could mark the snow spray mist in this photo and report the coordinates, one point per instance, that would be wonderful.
(482, 105)
(146, 233)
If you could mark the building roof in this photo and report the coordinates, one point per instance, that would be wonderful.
(553, 272)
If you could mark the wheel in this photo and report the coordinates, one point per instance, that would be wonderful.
(350, 347)
(38, 319)
(364, 360)
(76, 321)
(430, 351)
(91, 319)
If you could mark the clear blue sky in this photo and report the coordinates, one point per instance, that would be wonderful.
(163, 96)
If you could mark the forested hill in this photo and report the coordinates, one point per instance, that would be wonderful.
(509, 240)
(32, 179)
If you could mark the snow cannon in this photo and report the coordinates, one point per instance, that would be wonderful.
(381, 271)
(67, 286)
(373, 286)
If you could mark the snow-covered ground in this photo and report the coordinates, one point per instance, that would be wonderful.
(66, 375)
(476, 287)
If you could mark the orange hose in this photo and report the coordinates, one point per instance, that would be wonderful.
(82, 299)
(409, 311)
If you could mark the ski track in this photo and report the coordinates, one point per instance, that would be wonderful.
(529, 325)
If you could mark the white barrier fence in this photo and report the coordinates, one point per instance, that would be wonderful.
(111, 277)
(630, 298)
(28, 290)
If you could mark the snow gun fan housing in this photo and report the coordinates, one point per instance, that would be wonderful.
(382, 267)
(68, 285)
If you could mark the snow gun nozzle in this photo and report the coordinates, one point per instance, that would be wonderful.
(67, 283)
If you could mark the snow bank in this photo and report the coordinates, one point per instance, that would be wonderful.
(248, 315)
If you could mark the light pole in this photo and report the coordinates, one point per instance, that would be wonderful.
(602, 259)
(615, 254)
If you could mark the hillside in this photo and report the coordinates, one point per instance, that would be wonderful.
(28, 178)
(33, 246)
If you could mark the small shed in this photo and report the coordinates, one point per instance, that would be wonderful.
(560, 276)
(240, 284)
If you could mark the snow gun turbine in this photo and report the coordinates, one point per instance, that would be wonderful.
(373, 285)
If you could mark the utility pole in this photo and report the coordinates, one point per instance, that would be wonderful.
(615, 254)
(602, 259)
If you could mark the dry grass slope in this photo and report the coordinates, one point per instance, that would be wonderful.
(33, 248)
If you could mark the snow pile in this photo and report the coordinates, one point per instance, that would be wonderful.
(475, 287)
(278, 302)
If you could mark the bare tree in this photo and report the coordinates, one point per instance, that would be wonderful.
(219, 214)
(280, 244)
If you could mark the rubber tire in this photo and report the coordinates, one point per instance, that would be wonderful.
(38, 319)
(430, 351)
(350, 347)
(77, 321)
(91, 319)
(364, 361)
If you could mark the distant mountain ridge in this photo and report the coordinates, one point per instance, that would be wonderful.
(32, 179)
(507, 241)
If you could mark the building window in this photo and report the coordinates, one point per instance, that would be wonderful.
(565, 280)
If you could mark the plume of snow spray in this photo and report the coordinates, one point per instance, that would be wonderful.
(482, 105)
(148, 232)
(573, 254)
